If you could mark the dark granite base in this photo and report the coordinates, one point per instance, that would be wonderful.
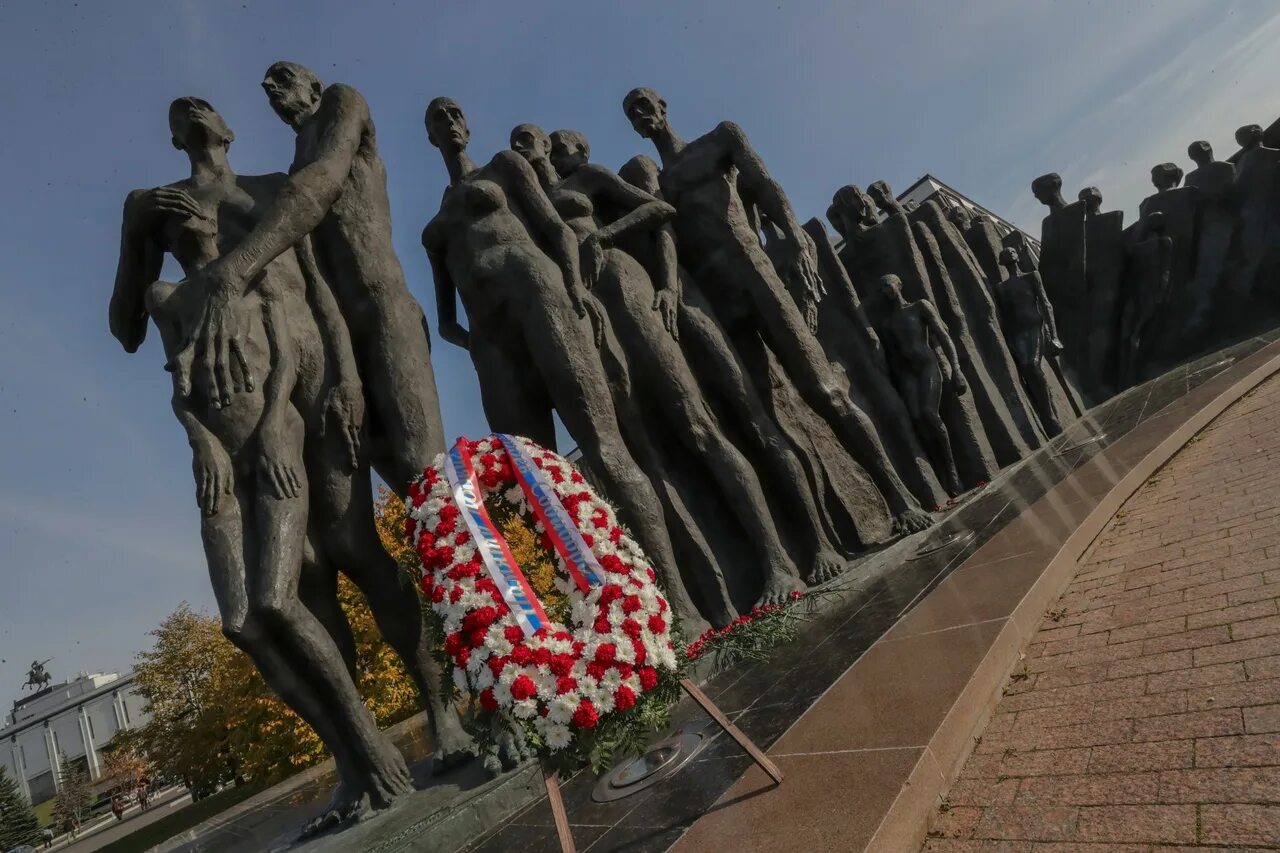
(1021, 522)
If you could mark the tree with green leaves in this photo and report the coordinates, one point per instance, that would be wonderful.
(18, 824)
(75, 796)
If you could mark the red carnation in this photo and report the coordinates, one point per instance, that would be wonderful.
(610, 593)
(602, 625)
(561, 665)
(495, 664)
(657, 624)
(449, 512)
(462, 538)
(565, 684)
(513, 634)
(662, 604)
(410, 528)
(463, 657)
(624, 669)
(419, 499)
(446, 528)
(542, 656)
(557, 476)
(562, 636)
(522, 655)
(648, 677)
(607, 653)
(453, 643)
(575, 477)
(415, 489)
(477, 636)
(596, 670)
(641, 654)
(437, 594)
(631, 628)
(589, 540)
(796, 595)
(578, 646)
(523, 688)
(615, 535)
(585, 717)
(479, 619)
(455, 595)
(611, 563)
(631, 604)
(624, 698)
(487, 700)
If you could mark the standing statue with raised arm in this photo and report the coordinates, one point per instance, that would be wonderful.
(911, 332)
(498, 243)
(1028, 323)
(702, 179)
(725, 380)
(281, 478)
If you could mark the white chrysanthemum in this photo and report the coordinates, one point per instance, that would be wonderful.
(484, 678)
(557, 737)
(525, 709)
(612, 679)
(502, 693)
(561, 708)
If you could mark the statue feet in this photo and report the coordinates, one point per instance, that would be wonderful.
(911, 521)
(512, 749)
(454, 747)
(827, 566)
(778, 588)
(378, 786)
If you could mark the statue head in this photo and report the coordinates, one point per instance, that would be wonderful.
(1048, 190)
(195, 124)
(1200, 152)
(1153, 224)
(446, 125)
(642, 172)
(530, 142)
(1009, 259)
(1166, 176)
(882, 196)
(1091, 197)
(569, 151)
(646, 111)
(294, 92)
(850, 211)
(960, 217)
(891, 288)
(1249, 136)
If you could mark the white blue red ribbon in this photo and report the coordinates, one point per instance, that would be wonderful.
(583, 567)
(493, 548)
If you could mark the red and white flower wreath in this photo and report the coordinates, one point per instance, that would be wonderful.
(557, 680)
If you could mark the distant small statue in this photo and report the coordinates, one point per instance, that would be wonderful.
(913, 333)
(38, 677)
(1028, 323)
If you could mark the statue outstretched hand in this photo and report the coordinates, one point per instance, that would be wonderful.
(219, 362)
(212, 469)
(805, 279)
(667, 304)
(344, 411)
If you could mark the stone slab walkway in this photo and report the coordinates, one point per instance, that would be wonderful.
(1145, 715)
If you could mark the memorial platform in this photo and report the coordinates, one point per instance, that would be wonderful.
(873, 711)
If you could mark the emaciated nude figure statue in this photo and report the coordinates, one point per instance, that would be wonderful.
(278, 473)
(721, 373)
(1147, 276)
(702, 180)
(337, 188)
(910, 333)
(1028, 323)
(337, 192)
(1062, 267)
(1104, 275)
(658, 366)
(499, 244)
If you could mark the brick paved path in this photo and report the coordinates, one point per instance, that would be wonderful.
(1146, 715)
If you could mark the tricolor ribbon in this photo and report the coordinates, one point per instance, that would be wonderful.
(583, 567)
(493, 548)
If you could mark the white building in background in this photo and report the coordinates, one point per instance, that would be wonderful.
(73, 720)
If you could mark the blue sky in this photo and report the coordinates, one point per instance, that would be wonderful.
(98, 527)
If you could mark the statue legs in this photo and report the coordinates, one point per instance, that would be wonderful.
(720, 371)
(921, 390)
(786, 334)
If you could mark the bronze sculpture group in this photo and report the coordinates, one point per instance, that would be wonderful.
(760, 403)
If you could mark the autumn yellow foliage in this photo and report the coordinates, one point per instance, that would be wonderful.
(214, 718)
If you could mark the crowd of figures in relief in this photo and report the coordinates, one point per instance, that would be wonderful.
(762, 401)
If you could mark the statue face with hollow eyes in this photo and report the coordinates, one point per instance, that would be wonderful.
(646, 111)
(194, 122)
(446, 125)
(569, 151)
(530, 142)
